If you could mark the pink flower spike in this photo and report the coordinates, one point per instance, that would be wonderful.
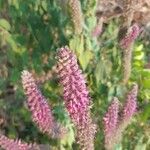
(131, 103)
(76, 97)
(10, 144)
(111, 123)
(41, 112)
(130, 37)
(111, 119)
(75, 92)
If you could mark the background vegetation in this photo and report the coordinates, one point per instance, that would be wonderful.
(30, 33)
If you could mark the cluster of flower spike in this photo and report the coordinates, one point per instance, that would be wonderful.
(77, 103)
(114, 124)
(10, 144)
(76, 97)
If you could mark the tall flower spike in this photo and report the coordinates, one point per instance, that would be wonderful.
(129, 110)
(75, 91)
(131, 103)
(130, 37)
(127, 45)
(41, 113)
(110, 122)
(76, 15)
(10, 144)
(76, 97)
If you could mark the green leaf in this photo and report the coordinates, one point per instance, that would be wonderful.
(77, 44)
(145, 114)
(139, 48)
(88, 43)
(15, 75)
(145, 94)
(103, 70)
(80, 45)
(44, 5)
(139, 55)
(85, 58)
(118, 147)
(146, 83)
(5, 24)
(145, 73)
(120, 90)
(111, 93)
(91, 22)
(140, 145)
(12, 43)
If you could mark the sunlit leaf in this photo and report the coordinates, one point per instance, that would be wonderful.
(139, 48)
(85, 58)
(146, 83)
(5, 24)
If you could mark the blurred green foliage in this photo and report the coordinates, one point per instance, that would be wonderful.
(30, 33)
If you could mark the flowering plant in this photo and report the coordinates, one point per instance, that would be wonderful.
(99, 66)
(77, 102)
